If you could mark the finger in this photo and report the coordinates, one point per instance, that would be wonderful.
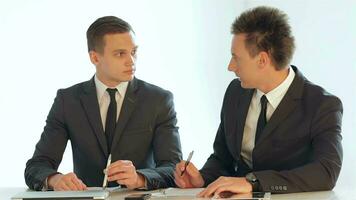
(125, 182)
(120, 163)
(62, 187)
(77, 184)
(76, 181)
(121, 169)
(192, 170)
(83, 186)
(119, 176)
(222, 192)
(181, 165)
(71, 185)
(208, 191)
(179, 180)
(219, 188)
(194, 176)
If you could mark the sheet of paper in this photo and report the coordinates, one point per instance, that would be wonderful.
(88, 194)
(110, 189)
(177, 192)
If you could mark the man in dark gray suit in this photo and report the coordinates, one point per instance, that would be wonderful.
(279, 132)
(113, 113)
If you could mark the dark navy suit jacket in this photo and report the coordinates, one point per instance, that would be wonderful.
(299, 149)
(146, 133)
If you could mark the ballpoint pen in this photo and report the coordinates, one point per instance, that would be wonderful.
(105, 182)
(187, 162)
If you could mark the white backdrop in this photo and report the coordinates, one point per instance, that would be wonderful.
(184, 46)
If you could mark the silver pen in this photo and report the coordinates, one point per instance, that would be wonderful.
(105, 182)
(187, 162)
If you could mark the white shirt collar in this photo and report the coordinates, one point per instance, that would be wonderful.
(276, 95)
(101, 88)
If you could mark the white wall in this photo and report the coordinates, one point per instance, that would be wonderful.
(184, 46)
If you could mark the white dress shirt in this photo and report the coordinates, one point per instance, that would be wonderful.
(104, 98)
(274, 97)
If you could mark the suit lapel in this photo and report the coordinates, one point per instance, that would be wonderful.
(128, 106)
(238, 117)
(287, 105)
(89, 101)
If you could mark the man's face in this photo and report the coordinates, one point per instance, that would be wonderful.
(242, 64)
(116, 63)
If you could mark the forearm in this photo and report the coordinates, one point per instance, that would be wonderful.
(311, 177)
(36, 173)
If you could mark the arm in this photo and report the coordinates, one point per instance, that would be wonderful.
(323, 169)
(49, 150)
(166, 146)
(218, 163)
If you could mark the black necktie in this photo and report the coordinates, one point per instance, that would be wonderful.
(111, 118)
(262, 120)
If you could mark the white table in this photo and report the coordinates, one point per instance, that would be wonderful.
(338, 194)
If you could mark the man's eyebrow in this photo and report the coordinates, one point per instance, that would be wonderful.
(115, 50)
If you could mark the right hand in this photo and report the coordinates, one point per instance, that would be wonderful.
(63, 182)
(191, 177)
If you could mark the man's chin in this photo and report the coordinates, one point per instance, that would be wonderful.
(246, 86)
(127, 78)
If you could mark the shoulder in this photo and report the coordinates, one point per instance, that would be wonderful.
(77, 89)
(150, 93)
(318, 96)
(312, 95)
(151, 89)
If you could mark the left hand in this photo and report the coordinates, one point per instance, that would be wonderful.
(235, 185)
(124, 173)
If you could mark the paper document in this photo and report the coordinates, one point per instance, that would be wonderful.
(90, 193)
(177, 192)
(87, 194)
(109, 189)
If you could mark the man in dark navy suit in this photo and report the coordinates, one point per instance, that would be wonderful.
(113, 113)
(279, 132)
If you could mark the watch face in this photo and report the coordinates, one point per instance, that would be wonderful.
(251, 177)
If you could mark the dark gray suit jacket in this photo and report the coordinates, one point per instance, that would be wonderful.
(146, 134)
(299, 149)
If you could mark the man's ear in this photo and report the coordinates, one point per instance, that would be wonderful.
(263, 59)
(94, 57)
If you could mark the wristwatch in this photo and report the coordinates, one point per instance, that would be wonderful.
(252, 179)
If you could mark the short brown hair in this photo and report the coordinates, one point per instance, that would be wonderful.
(102, 26)
(266, 29)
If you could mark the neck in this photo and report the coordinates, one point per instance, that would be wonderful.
(275, 78)
(108, 83)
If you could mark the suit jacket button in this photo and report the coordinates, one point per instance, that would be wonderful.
(272, 187)
(284, 187)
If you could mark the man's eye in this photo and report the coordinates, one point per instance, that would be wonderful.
(234, 58)
(119, 54)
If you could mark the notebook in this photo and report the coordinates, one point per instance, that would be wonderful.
(193, 192)
(87, 194)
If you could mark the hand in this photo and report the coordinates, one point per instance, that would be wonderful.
(70, 181)
(235, 185)
(124, 173)
(191, 177)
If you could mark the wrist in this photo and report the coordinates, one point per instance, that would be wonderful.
(53, 179)
(140, 181)
(252, 179)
